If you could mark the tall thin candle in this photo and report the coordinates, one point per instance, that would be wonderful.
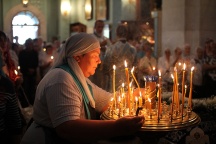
(159, 89)
(114, 93)
(173, 97)
(183, 80)
(191, 86)
(135, 79)
(176, 88)
(183, 96)
(128, 84)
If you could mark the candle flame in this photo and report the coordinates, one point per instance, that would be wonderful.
(52, 57)
(18, 67)
(119, 99)
(125, 63)
(44, 49)
(140, 93)
(179, 64)
(159, 73)
(184, 66)
(132, 70)
(192, 68)
(144, 78)
(136, 99)
(149, 100)
(15, 71)
(130, 84)
(153, 68)
(111, 99)
(185, 86)
(122, 84)
(114, 67)
(172, 76)
(123, 95)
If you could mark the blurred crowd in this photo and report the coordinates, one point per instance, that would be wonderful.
(25, 65)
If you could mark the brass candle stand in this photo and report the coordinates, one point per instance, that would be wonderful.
(168, 117)
(165, 121)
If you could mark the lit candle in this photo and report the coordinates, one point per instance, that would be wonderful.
(128, 83)
(15, 71)
(52, 57)
(135, 79)
(183, 83)
(153, 68)
(191, 86)
(140, 100)
(159, 74)
(159, 89)
(176, 88)
(173, 97)
(18, 67)
(159, 99)
(183, 78)
(149, 105)
(136, 101)
(183, 96)
(114, 94)
(111, 106)
(122, 88)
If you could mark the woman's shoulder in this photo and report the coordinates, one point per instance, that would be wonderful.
(57, 75)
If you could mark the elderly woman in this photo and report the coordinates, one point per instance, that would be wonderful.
(66, 101)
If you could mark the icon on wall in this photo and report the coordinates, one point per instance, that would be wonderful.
(102, 9)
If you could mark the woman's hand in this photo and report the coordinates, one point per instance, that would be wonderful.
(129, 125)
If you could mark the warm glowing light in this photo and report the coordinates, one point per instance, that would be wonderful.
(52, 57)
(125, 63)
(18, 67)
(192, 68)
(159, 73)
(15, 71)
(122, 84)
(184, 66)
(149, 100)
(25, 2)
(114, 67)
(172, 77)
(88, 9)
(132, 70)
(153, 68)
(65, 7)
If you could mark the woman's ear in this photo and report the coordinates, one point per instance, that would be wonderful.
(77, 58)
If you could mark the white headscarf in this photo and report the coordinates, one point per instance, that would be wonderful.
(77, 45)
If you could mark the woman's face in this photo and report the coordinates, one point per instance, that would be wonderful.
(89, 62)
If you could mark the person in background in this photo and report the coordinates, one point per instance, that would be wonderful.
(208, 48)
(197, 62)
(47, 61)
(177, 57)
(67, 101)
(10, 119)
(117, 54)
(105, 43)
(210, 73)
(187, 56)
(28, 60)
(164, 65)
(147, 66)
